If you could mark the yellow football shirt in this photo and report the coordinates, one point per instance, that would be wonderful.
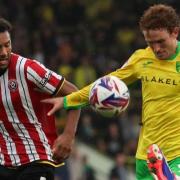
(161, 99)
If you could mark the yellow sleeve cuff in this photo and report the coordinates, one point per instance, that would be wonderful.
(78, 99)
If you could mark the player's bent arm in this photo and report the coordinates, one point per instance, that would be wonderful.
(73, 114)
(63, 144)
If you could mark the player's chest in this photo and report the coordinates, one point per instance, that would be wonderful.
(161, 76)
(10, 91)
(161, 72)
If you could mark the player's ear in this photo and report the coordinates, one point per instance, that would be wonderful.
(175, 32)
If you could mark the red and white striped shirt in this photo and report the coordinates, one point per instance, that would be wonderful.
(26, 133)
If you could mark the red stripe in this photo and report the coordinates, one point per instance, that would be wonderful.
(20, 148)
(36, 67)
(22, 116)
(55, 81)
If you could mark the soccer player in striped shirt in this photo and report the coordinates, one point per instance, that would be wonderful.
(29, 146)
(158, 68)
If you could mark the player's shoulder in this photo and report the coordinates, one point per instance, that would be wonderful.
(18, 57)
(15, 57)
(25, 62)
(144, 53)
(140, 56)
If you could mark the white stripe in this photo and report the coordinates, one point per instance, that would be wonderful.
(25, 97)
(11, 148)
(34, 77)
(30, 146)
(31, 76)
(50, 87)
(57, 75)
(2, 161)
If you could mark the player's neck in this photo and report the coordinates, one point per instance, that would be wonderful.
(176, 51)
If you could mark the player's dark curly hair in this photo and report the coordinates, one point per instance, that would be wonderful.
(5, 25)
(159, 16)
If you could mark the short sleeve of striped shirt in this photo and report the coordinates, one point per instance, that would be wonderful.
(43, 78)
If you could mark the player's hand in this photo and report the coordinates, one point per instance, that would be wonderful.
(62, 147)
(56, 102)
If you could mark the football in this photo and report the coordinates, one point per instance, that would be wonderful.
(109, 96)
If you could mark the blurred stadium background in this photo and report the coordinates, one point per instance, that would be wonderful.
(83, 40)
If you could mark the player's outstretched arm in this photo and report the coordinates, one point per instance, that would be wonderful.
(74, 100)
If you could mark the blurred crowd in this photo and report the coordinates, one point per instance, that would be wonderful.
(83, 40)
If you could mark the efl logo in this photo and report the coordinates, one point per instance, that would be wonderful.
(12, 85)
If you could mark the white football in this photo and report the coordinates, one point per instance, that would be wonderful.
(109, 96)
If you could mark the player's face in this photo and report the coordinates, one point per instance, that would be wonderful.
(5, 49)
(162, 42)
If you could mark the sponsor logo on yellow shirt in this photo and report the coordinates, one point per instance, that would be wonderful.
(160, 80)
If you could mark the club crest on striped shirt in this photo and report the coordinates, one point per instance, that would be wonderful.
(12, 85)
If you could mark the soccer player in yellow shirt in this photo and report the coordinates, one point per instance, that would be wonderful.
(158, 68)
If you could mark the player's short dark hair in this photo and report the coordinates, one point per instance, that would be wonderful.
(5, 25)
(159, 16)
